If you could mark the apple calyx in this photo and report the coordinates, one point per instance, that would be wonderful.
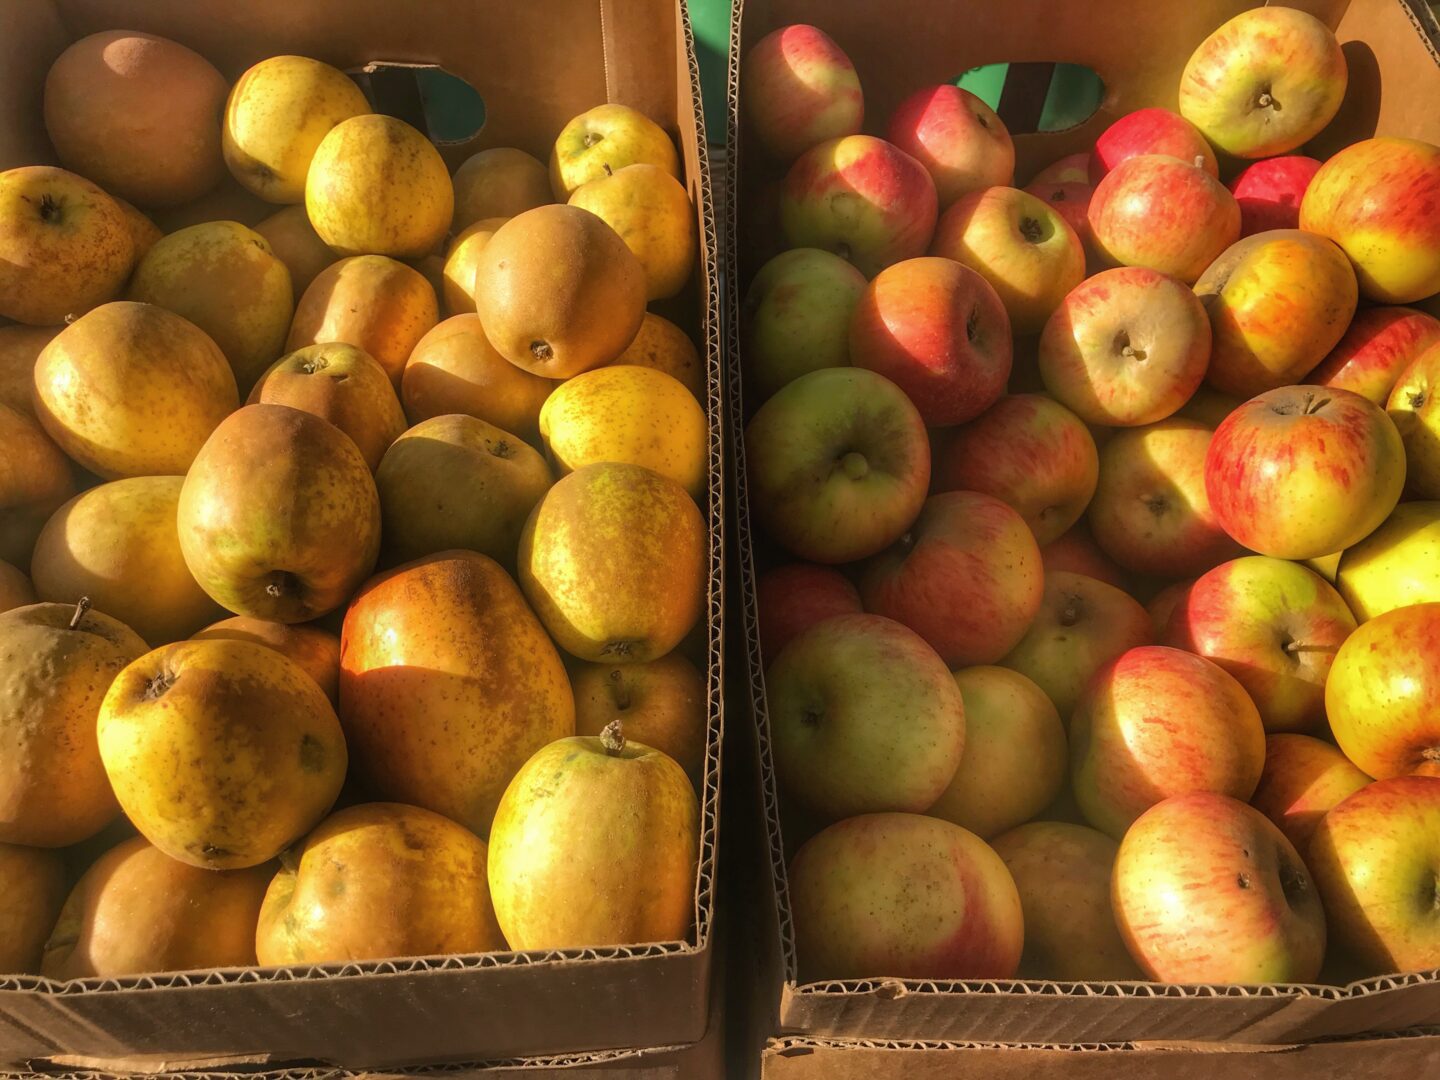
(591, 138)
(81, 607)
(854, 465)
(1126, 349)
(1032, 230)
(157, 687)
(541, 350)
(612, 738)
(1416, 399)
(49, 208)
(1074, 608)
(501, 449)
(281, 583)
(1293, 881)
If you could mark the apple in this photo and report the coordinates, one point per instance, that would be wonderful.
(1303, 780)
(798, 88)
(1072, 202)
(1272, 624)
(1015, 759)
(1207, 890)
(1070, 169)
(903, 896)
(1304, 471)
(1376, 199)
(1164, 213)
(1278, 303)
(1208, 406)
(796, 318)
(1265, 82)
(940, 332)
(1383, 695)
(959, 139)
(966, 577)
(1157, 722)
(1162, 605)
(1380, 344)
(1376, 858)
(1151, 513)
(861, 198)
(1082, 625)
(1413, 407)
(1062, 872)
(1029, 452)
(1019, 244)
(1150, 131)
(1396, 566)
(839, 464)
(603, 140)
(1077, 552)
(1127, 347)
(792, 598)
(1269, 192)
(864, 717)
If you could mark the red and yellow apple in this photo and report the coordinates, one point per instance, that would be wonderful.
(1304, 471)
(798, 88)
(1380, 344)
(1151, 131)
(1070, 169)
(939, 331)
(966, 577)
(792, 598)
(1072, 202)
(1155, 723)
(1414, 405)
(1304, 779)
(1127, 347)
(1269, 192)
(959, 139)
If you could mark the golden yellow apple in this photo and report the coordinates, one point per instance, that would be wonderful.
(277, 114)
(376, 186)
(65, 245)
(20, 347)
(117, 544)
(499, 182)
(316, 650)
(144, 233)
(461, 259)
(35, 478)
(32, 888)
(295, 243)
(1396, 566)
(133, 390)
(607, 135)
(15, 588)
(653, 214)
(662, 345)
(663, 704)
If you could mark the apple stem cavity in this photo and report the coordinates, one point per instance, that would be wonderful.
(612, 738)
(157, 687)
(1071, 612)
(541, 350)
(855, 466)
(81, 607)
(591, 138)
(1126, 349)
(1032, 230)
(49, 208)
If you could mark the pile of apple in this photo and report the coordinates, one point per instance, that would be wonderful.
(1114, 650)
(496, 741)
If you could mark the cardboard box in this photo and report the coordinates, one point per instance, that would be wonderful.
(536, 66)
(1138, 49)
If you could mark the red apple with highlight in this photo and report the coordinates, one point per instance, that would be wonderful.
(957, 137)
(1151, 131)
(1380, 343)
(798, 88)
(1269, 192)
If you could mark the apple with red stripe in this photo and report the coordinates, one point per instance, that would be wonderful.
(798, 89)
(1380, 343)
(792, 598)
(1269, 192)
(1151, 131)
(1304, 779)
(957, 137)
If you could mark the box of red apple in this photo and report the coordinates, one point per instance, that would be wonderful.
(1091, 527)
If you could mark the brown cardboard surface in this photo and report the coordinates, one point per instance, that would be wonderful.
(535, 65)
(1139, 49)
(1410, 1054)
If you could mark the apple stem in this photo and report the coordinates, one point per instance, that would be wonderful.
(606, 166)
(81, 607)
(1293, 647)
(1264, 100)
(613, 738)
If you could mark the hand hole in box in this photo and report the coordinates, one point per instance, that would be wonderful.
(427, 97)
(1036, 96)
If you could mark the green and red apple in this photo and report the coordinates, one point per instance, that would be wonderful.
(796, 318)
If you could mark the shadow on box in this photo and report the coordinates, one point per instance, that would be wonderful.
(529, 80)
(846, 1028)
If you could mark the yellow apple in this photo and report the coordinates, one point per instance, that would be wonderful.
(499, 182)
(1396, 565)
(607, 135)
(1414, 405)
(653, 214)
(461, 258)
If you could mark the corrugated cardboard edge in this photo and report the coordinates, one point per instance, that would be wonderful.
(36, 1015)
(1011, 1010)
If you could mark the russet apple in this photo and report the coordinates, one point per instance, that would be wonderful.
(35, 479)
(1376, 199)
(796, 318)
(64, 245)
(1304, 471)
(1126, 347)
(1151, 513)
(1164, 213)
(839, 464)
(1269, 192)
(1377, 860)
(939, 331)
(1022, 246)
(1304, 779)
(957, 137)
(903, 896)
(1157, 722)
(1383, 694)
(1278, 303)
(794, 597)
(1208, 890)
(1062, 872)
(861, 198)
(1028, 451)
(1272, 624)
(798, 88)
(1265, 82)
(864, 717)
(966, 576)
(1081, 626)
(1015, 760)
(1396, 566)
(1380, 344)
(1151, 131)
(498, 183)
(1414, 405)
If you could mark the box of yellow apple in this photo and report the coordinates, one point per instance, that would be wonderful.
(360, 521)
